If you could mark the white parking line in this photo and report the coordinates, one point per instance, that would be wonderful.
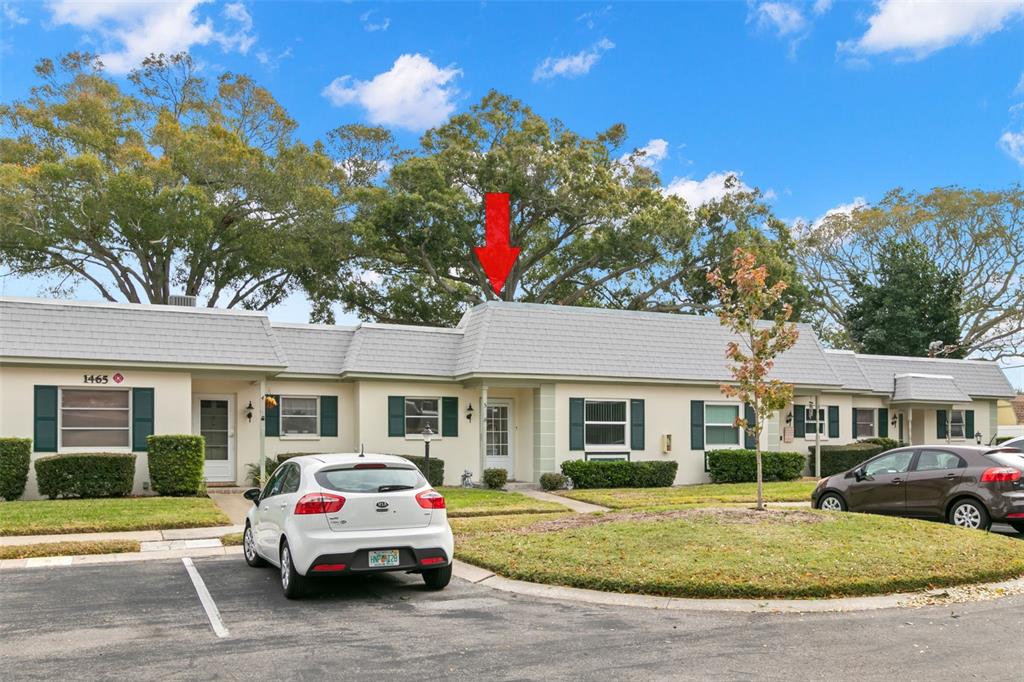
(207, 601)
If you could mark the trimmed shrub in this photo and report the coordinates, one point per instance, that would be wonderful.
(87, 474)
(436, 475)
(1002, 439)
(495, 479)
(740, 466)
(886, 443)
(603, 474)
(15, 456)
(554, 481)
(176, 464)
(838, 458)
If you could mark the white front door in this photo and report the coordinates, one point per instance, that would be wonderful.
(500, 429)
(213, 418)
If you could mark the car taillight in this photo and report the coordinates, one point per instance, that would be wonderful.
(431, 560)
(319, 503)
(323, 568)
(430, 499)
(1000, 475)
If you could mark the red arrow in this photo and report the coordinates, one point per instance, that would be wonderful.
(497, 257)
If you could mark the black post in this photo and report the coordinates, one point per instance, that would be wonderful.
(427, 433)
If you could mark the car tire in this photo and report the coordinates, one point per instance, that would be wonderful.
(831, 502)
(292, 584)
(969, 513)
(252, 557)
(438, 578)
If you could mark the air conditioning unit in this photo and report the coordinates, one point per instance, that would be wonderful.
(182, 300)
(666, 443)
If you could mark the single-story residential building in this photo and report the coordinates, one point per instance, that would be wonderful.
(519, 386)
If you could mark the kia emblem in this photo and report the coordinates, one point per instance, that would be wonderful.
(382, 505)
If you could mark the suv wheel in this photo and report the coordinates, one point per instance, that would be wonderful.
(252, 557)
(438, 578)
(293, 584)
(970, 514)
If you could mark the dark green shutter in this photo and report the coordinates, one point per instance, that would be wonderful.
(272, 418)
(969, 424)
(853, 424)
(636, 425)
(749, 442)
(833, 421)
(942, 427)
(45, 431)
(142, 418)
(329, 415)
(883, 422)
(576, 406)
(396, 416)
(696, 424)
(450, 417)
(799, 427)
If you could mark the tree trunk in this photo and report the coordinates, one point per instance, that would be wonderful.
(760, 477)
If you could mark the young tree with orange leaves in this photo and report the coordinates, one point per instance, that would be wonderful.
(745, 302)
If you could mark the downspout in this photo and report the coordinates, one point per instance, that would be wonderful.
(263, 430)
(483, 430)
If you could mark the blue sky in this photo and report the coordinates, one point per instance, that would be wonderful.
(820, 104)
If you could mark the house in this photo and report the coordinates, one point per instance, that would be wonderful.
(1011, 417)
(517, 386)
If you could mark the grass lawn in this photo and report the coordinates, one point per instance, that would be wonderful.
(68, 549)
(737, 552)
(463, 502)
(231, 539)
(708, 493)
(45, 517)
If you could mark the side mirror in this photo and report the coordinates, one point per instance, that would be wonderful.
(860, 474)
(253, 495)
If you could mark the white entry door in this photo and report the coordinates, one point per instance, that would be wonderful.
(500, 431)
(213, 418)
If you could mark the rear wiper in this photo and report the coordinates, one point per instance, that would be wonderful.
(392, 488)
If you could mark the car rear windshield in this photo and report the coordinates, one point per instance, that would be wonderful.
(1008, 458)
(370, 479)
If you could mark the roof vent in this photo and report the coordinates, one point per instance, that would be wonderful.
(182, 300)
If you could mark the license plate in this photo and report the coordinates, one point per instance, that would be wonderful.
(383, 558)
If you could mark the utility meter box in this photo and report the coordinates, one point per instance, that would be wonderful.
(666, 443)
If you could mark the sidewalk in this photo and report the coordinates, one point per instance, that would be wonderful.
(574, 505)
(179, 534)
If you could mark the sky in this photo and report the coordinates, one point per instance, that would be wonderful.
(822, 105)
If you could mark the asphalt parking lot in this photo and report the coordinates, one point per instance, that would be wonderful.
(146, 621)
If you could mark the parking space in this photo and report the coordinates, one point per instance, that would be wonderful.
(97, 622)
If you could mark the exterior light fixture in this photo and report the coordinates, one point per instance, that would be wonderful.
(789, 419)
(469, 413)
(249, 411)
(977, 438)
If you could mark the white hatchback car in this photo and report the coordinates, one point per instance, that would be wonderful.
(351, 513)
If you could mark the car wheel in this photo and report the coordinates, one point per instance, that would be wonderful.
(293, 584)
(249, 548)
(438, 578)
(970, 514)
(831, 502)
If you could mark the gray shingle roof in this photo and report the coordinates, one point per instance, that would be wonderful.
(61, 330)
(314, 349)
(978, 378)
(928, 388)
(403, 350)
(844, 363)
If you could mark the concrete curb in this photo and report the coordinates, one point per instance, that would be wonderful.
(480, 576)
(125, 557)
(137, 535)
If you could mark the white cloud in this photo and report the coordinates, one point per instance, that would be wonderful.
(783, 18)
(1019, 90)
(414, 94)
(821, 6)
(917, 28)
(12, 15)
(841, 209)
(131, 31)
(574, 65)
(714, 186)
(1013, 145)
(372, 26)
(654, 151)
(590, 18)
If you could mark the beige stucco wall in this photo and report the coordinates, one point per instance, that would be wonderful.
(172, 399)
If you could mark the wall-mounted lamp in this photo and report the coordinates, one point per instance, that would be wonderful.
(249, 411)
(977, 438)
(892, 421)
(469, 413)
(789, 419)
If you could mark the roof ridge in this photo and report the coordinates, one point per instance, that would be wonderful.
(278, 350)
(122, 305)
(320, 326)
(913, 358)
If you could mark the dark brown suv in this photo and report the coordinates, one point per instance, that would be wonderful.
(967, 485)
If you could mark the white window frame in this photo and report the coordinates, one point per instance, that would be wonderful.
(874, 422)
(820, 424)
(612, 449)
(963, 424)
(405, 419)
(92, 448)
(708, 445)
(281, 415)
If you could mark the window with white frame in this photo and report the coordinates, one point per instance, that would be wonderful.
(421, 413)
(94, 418)
(300, 416)
(604, 424)
(815, 422)
(720, 425)
(956, 424)
(865, 423)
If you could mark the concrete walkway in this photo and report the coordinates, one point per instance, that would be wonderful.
(137, 535)
(233, 504)
(575, 505)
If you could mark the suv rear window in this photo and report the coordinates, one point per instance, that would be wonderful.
(1008, 458)
(370, 479)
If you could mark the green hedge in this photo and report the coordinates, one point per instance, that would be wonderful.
(553, 481)
(176, 464)
(436, 476)
(838, 458)
(92, 474)
(740, 466)
(886, 443)
(15, 456)
(495, 479)
(603, 474)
